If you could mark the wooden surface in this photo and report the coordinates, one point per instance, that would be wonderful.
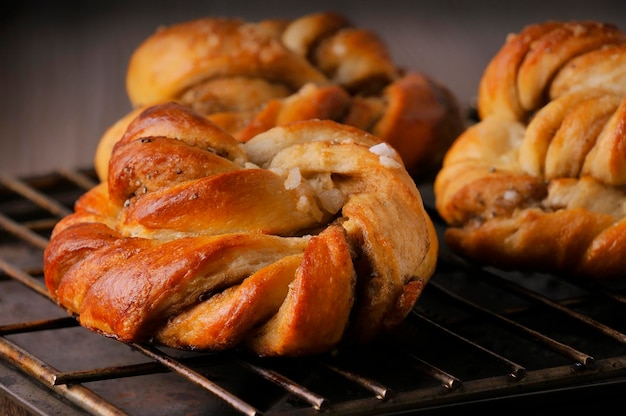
(64, 62)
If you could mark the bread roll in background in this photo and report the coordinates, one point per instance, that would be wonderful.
(538, 183)
(250, 76)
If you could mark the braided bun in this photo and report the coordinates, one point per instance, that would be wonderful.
(538, 183)
(250, 76)
(305, 236)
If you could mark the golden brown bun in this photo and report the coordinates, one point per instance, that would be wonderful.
(305, 236)
(229, 70)
(538, 183)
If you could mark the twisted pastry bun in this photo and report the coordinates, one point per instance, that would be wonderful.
(250, 76)
(307, 235)
(538, 183)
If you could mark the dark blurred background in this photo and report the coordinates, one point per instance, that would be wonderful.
(64, 62)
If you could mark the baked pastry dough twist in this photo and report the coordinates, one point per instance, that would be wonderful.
(538, 183)
(307, 235)
(250, 76)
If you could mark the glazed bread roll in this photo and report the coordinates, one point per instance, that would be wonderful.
(538, 183)
(306, 236)
(250, 76)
